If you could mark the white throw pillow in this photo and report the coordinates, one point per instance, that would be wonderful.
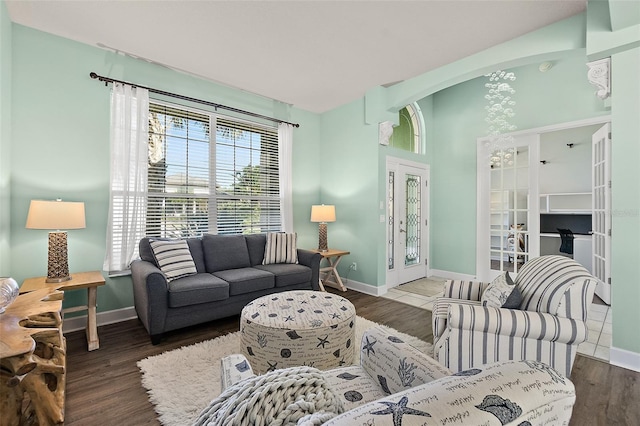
(502, 293)
(174, 258)
(280, 248)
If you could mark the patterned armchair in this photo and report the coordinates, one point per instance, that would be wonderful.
(550, 324)
(394, 384)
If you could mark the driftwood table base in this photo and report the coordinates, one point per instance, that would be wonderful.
(32, 360)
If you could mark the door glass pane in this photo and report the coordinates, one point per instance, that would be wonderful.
(391, 231)
(413, 219)
(509, 209)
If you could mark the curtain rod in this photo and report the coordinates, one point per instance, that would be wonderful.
(187, 98)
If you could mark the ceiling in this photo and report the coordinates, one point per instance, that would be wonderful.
(315, 55)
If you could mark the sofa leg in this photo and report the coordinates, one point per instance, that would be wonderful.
(155, 338)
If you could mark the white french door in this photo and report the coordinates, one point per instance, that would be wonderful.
(601, 214)
(407, 221)
(508, 208)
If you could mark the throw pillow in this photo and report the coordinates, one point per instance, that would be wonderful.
(502, 293)
(280, 248)
(174, 258)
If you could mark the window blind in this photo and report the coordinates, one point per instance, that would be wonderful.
(225, 184)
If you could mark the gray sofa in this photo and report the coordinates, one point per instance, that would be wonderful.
(230, 275)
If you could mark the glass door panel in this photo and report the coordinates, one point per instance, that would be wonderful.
(510, 212)
(412, 219)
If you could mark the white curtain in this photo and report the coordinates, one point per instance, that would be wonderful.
(285, 160)
(129, 163)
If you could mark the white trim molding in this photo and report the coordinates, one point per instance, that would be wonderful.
(625, 359)
(599, 74)
(366, 288)
(103, 318)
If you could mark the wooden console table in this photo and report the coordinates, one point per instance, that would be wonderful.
(89, 280)
(333, 256)
(32, 360)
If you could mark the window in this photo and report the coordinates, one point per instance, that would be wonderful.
(210, 174)
(408, 134)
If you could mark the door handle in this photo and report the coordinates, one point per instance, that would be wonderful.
(402, 230)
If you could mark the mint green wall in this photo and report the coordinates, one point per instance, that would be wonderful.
(625, 196)
(60, 146)
(349, 177)
(562, 94)
(5, 139)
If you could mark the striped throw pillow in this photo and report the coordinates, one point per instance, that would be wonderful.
(174, 258)
(280, 248)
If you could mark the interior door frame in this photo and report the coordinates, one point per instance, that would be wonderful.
(482, 197)
(393, 165)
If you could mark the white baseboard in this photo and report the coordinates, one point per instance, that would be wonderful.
(625, 359)
(102, 318)
(451, 275)
(365, 288)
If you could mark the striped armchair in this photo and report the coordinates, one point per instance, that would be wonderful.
(550, 324)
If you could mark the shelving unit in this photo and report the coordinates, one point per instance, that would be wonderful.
(566, 203)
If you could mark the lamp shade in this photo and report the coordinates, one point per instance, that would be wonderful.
(322, 213)
(55, 215)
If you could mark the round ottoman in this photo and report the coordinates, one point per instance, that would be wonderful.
(296, 328)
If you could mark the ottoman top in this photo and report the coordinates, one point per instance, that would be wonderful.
(299, 310)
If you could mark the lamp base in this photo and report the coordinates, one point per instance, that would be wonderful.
(322, 237)
(58, 280)
(57, 261)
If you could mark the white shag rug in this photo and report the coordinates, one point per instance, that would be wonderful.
(182, 382)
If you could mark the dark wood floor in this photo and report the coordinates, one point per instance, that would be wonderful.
(103, 386)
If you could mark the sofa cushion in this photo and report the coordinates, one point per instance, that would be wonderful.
(246, 280)
(195, 247)
(280, 248)
(199, 288)
(173, 258)
(502, 293)
(222, 252)
(255, 245)
(288, 274)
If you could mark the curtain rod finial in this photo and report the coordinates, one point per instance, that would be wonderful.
(93, 75)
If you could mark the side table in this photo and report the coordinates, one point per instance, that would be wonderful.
(89, 280)
(331, 276)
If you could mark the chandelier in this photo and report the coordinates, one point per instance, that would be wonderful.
(499, 110)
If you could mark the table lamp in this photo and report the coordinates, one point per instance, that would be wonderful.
(323, 214)
(56, 215)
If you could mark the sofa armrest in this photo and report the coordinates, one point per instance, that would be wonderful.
(517, 323)
(506, 392)
(312, 260)
(150, 295)
(467, 290)
(394, 364)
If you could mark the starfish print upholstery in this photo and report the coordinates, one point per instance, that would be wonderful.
(323, 341)
(369, 346)
(399, 409)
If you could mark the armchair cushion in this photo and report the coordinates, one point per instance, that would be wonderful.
(502, 293)
(504, 393)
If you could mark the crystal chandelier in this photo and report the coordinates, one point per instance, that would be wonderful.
(499, 110)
